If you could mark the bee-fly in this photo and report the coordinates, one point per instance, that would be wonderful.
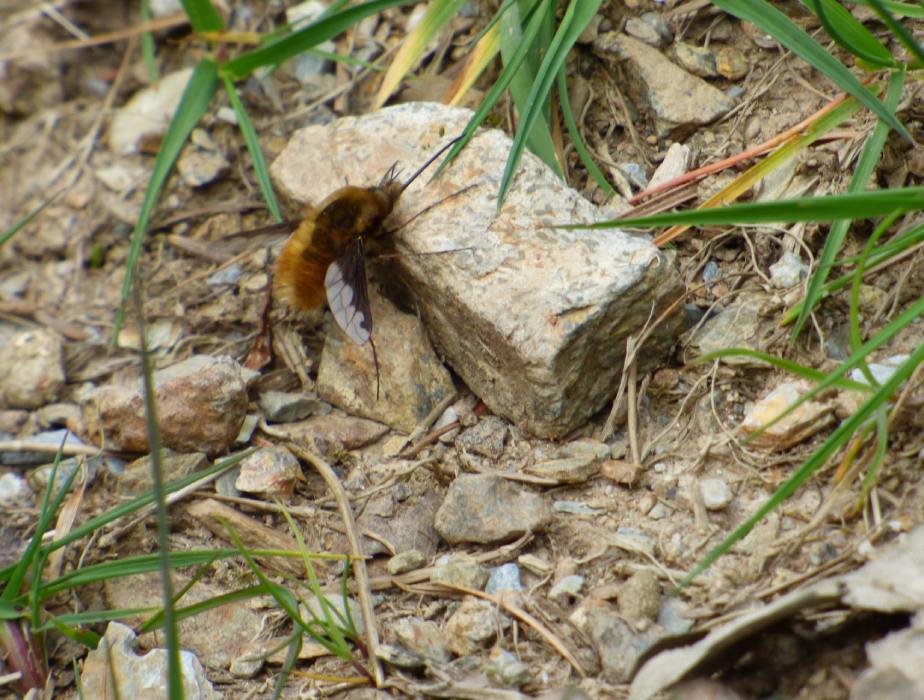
(325, 257)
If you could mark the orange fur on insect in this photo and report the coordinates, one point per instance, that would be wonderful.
(324, 234)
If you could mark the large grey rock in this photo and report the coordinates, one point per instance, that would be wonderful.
(533, 318)
(679, 101)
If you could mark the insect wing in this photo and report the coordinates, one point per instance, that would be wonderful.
(347, 294)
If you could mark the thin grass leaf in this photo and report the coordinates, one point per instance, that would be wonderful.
(503, 80)
(859, 205)
(437, 16)
(882, 445)
(817, 460)
(872, 150)
(786, 152)
(195, 100)
(899, 31)
(478, 59)
(202, 15)
(328, 625)
(30, 558)
(836, 377)
(120, 511)
(785, 31)
(902, 9)
(539, 138)
(147, 44)
(196, 609)
(576, 18)
(856, 334)
(325, 28)
(147, 563)
(18, 226)
(579, 146)
(285, 600)
(850, 34)
(892, 249)
(486, 45)
(253, 146)
(788, 366)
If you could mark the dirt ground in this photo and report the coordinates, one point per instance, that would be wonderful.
(64, 271)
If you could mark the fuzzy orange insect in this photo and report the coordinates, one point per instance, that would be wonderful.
(324, 259)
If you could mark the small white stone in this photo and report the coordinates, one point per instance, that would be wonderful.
(788, 270)
(716, 493)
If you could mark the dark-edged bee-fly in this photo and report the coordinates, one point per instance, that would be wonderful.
(324, 259)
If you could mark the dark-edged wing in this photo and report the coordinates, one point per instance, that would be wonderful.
(347, 294)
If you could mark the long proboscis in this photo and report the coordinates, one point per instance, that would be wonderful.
(426, 165)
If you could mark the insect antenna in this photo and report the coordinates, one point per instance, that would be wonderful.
(426, 165)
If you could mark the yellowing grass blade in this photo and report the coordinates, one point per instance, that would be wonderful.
(437, 16)
(753, 175)
(479, 59)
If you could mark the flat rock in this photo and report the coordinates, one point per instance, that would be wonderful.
(345, 431)
(113, 669)
(201, 404)
(460, 570)
(421, 637)
(272, 471)
(217, 636)
(533, 318)
(736, 326)
(680, 101)
(617, 646)
(31, 369)
(137, 479)
(471, 627)
(286, 407)
(798, 426)
(489, 509)
(412, 380)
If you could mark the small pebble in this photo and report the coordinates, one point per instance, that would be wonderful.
(568, 587)
(504, 578)
(405, 561)
(716, 493)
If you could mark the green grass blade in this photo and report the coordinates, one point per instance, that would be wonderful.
(19, 225)
(129, 507)
(253, 146)
(899, 30)
(836, 378)
(833, 379)
(850, 34)
(883, 253)
(202, 15)
(837, 440)
(859, 205)
(902, 9)
(147, 44)
(539, 138)
(576, 17)
(856, 333)
(579, 146)
(872, 151)
(171, 633)
(785, 31)
(503, 80)
(882, 445)
(32, 556)
(195, 101)
(329, 26)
